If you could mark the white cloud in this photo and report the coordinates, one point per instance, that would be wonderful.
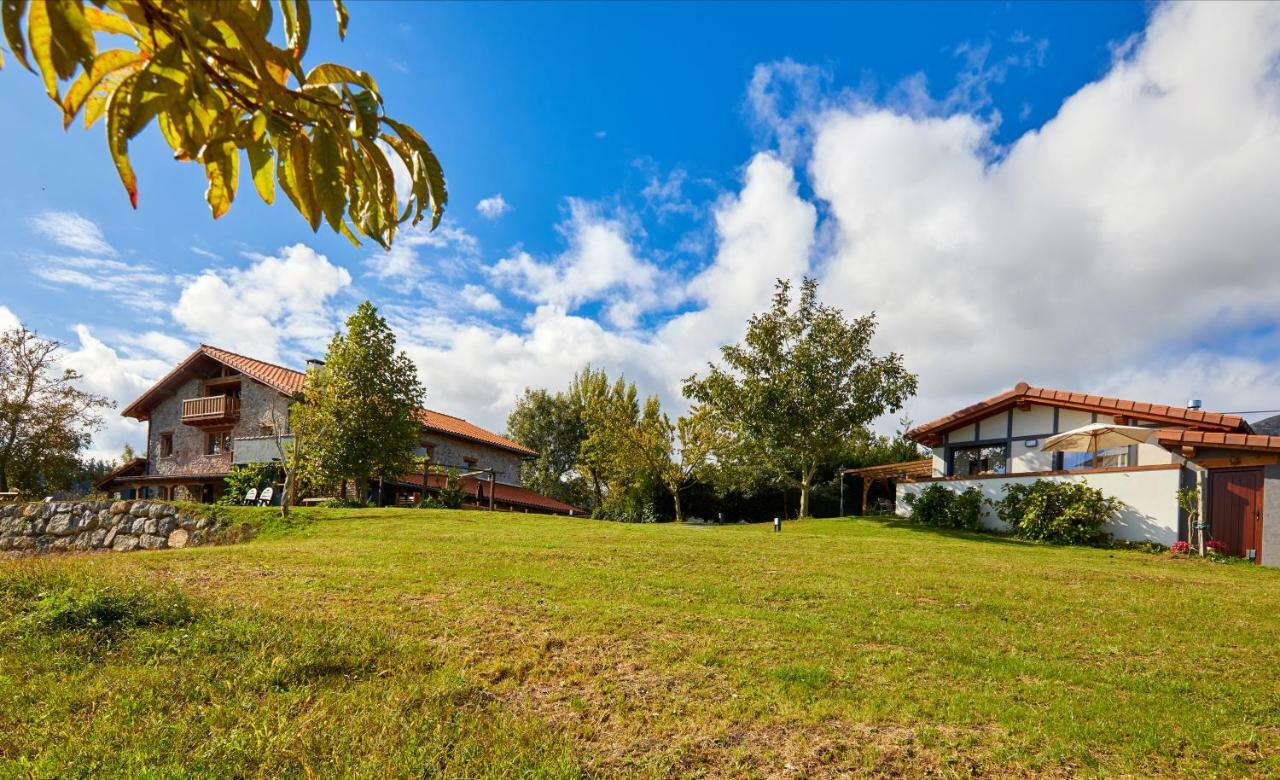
(72, 231)
(135, 285)
(493, 206)
(8, 320)
(480, 299)
(1102, 252)
(599, 265)
(254, 309)
(449, 247)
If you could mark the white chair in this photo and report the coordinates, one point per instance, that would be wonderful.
(265, 498)
(251, 497)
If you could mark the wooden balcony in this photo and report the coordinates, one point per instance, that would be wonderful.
(211, 410)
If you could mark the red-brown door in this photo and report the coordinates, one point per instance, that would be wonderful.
(1235, 511)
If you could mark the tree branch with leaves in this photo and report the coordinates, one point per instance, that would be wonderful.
(209, 75)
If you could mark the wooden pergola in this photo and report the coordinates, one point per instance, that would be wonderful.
(889, 473)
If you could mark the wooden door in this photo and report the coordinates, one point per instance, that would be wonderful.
(1235, 511)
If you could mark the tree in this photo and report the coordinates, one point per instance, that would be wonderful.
(359, 412)
(798, 388)
(216, 84)
(589, 393)
(45, 420)
(676, 453)
(551, 424)
(127, 454)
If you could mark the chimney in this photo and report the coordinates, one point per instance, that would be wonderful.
(1194, 404)
(314, 363)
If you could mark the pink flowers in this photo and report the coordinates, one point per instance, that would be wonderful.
(1216, 545)
(1180, 548)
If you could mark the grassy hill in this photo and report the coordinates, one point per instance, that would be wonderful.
(395, 642)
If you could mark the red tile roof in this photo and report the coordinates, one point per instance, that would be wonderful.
(503, 494)
(456, 426)
(1024, 393)
(290, 382)
(1173, 437)
(279, 378)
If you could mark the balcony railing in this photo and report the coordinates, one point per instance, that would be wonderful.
(211, 408)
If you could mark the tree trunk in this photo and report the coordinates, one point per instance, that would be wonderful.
(675, 494)
(362, 490)
(804, 495)
(595, 486)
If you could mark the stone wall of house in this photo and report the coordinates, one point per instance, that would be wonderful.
(256, 404)
(453, 453)
(119, 526)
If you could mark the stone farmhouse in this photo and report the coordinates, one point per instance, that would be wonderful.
(217, 409)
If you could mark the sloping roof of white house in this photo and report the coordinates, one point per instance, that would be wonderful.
(1023, 393)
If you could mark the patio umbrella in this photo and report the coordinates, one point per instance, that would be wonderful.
(1097, 436)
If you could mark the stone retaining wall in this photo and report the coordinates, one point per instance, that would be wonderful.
(119, 526)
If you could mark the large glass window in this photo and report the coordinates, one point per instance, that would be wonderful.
(217, 442)
(970, 461)
(1107, 459)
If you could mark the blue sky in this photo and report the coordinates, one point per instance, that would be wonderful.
(648, 169)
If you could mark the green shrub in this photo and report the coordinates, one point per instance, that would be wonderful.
(940, 507)
(244, 477)
(1059, 512)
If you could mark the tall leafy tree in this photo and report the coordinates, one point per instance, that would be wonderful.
(359, 415)
(553, 425)
(676, 454)
(214, 81)
(801, 385)
(45, 420)
(590, 396)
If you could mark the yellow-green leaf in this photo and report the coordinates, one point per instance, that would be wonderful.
(96, 103)
(11, 11)
(328, 176)
(260, 159)
(109, 23)
(71, 31)
(343, 18)
(40, 33)
(118, 120)
(332, 73)
(431, 169)
(85, 83)
(297, 25)
(293, 169)
(222, 169)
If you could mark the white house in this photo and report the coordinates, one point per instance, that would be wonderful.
(1000, 441)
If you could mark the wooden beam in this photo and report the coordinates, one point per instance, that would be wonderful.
(1188, 452)
(1238, 461)
(1120, 419)
(1024, 406)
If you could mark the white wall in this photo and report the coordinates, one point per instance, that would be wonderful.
(1036, 421)
(961, 434)
(1150, 500)
(1069, 419)
(994, 427)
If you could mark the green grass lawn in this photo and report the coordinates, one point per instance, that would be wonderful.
(399, 642)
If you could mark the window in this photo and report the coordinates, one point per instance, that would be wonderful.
(217, 442)
(1112, 458)
(166, 444)
(970, 461)
(267, 429)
